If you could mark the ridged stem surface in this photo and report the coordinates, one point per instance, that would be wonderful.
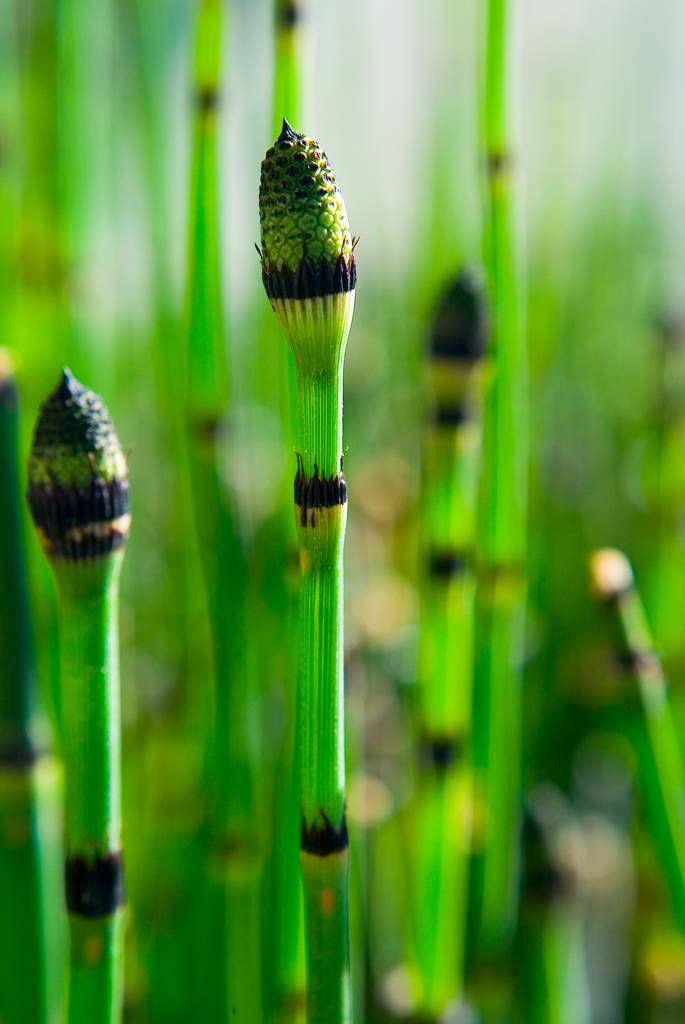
(91, 746)
(320, 726)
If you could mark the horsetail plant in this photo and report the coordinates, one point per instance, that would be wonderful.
(233, 819)
(287, 959)
(30, 983)
(79, 501)
(451, 468)
(308, 270)
(650, 722)
(502, 522)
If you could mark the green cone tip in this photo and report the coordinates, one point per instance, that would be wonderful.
(78, 475)
(461, 323)
(307, 248)
(74, 441)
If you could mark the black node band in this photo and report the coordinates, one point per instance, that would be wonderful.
(65, 516)
(441, 752)
(19, 754)
(56, 510)
(311, 280)
(94, 888)
(315, 492)
(289, 15)
(632, 660)
(499, 162)
(452, 415)
(321, 841)
(446, 564)
(207, 99)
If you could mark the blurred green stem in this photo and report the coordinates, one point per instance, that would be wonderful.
(502, 523)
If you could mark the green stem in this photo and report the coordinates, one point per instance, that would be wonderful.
(450, 472)
(654, 734)
(320, 727)
(502, 524)
(233, 826)
(326, 882)
(91, 744)
(30, 791)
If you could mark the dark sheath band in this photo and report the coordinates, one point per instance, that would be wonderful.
(94, 888)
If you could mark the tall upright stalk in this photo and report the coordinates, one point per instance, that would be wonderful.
(502, 522)
(287, 955)
(309, 274)
(233, 818)
(290, 60)
(78, 495)
(29, 779)
(649, 720)
(451, 466)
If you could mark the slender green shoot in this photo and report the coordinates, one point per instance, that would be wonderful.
(652, 726)
(502, 522)
(30, 982)
(451, 467)
(78, 495)
(309, 274)
(233, 819)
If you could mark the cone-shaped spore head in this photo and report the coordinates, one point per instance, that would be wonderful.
(78, 475)
(461, 323)
(307, 248)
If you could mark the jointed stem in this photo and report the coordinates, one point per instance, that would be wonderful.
(90, 706)
(320, 728)
(651, 726)
(502, 525)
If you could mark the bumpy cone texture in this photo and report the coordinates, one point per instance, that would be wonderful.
(461, 323)
(78, 476)
(307, 248)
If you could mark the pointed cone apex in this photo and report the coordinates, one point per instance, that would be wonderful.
(306, 241)
(78, 477)
(288, 133)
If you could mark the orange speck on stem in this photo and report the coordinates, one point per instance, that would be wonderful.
(328, 901)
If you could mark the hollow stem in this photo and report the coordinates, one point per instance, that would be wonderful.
(321, 514)
(91, 729)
